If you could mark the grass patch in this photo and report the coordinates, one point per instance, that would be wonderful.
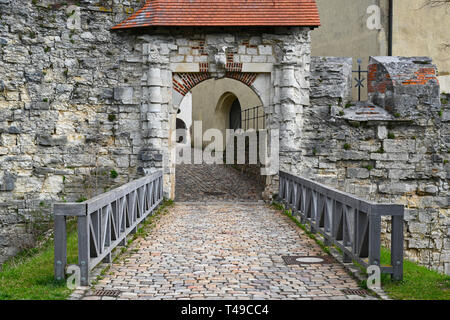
(29, 275)
(419, 283)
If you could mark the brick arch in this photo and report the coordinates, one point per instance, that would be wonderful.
(184, 82)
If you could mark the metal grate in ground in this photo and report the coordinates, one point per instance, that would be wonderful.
(356, 292)
(107, 293)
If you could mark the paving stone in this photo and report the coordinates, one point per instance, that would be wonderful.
(214, 183)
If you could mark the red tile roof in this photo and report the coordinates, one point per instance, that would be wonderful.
(224, 13)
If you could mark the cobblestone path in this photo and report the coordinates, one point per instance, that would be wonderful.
(214, 183)
(223, 251)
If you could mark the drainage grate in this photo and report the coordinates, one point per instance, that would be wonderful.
(107, 293)
(298, 260)
(355, 292)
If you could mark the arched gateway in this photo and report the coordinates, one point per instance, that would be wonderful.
(185, 43)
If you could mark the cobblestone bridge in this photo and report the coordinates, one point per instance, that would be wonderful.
(220, 241)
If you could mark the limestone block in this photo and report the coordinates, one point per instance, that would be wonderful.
(382, 132)
(154, 95)
(124, 94)
(245, 58)
(242, 49)
(389, 156)
(87, 36)
(154, 107)
(359, 173)
(259, 59)
(397, 188)
(399, 146)
(418, 227)
(177, 58)
(8, 182)
(354, 155)
(184, 50)
(201, 59)
(401, 174)
(394, 165)
(265, 49)
(252, 51)
(53, 184)
(154, 77)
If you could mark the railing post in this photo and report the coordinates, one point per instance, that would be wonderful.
(83, 248)
(374, 238)
(397, 247)
(314, 213)
(60, 247)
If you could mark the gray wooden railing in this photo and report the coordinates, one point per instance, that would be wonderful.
(104, 222)
(350, 223)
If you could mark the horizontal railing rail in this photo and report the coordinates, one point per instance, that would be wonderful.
(351, 224)
(104, 222)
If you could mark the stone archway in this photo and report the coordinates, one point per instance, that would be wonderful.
(216, 104)
(274, 64)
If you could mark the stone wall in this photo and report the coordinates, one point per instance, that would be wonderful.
(63, 134)
(376, 154)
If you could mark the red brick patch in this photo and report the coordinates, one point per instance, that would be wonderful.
(184, 82)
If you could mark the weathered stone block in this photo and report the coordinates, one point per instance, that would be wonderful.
(400, 174)
(399, 146)
(359, 173)
(124, 94)
(354, 155)
(8, 182)
(397, 188)
(389, 156)
(382, 132)
(49, 141)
